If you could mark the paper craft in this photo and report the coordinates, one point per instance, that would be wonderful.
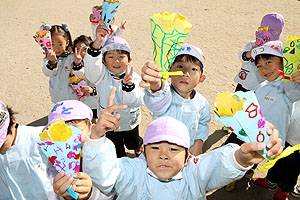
(241, 113)
(168, 34)
(62, 146)
(97, 12)
(110, 7)
(291, 56)
(77, 83)
(262, 35)
(43, 38)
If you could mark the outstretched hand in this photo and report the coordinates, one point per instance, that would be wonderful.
(101, 32)
(77, 56)
(128, 80)
(296, 76)
(151, 76)
(247, 154)
(61, 183)
(122, 26)
(52, 57)
(108, 120)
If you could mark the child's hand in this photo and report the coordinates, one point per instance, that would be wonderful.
(248, 54)
(107, 119)
(52, 57)
(247, 154)
(122, 26)
(151, 76)
(128, 80)
(101, 32)
(196, 148)
(77, 56)
(296, 77)
(83, 185)
(87, 90)
(61, 183)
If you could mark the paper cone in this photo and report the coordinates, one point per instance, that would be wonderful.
(262, 36)
(110, 7)
(43, 38)
(77, 83)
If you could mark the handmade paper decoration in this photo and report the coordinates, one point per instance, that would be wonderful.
(109, 9)
(62, 146)
(241, 113)
(43, 38)
(77, 83)
(168, 34)
(97, 12)
(262, 35)
(291, 57)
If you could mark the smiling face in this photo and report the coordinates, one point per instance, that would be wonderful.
(165, 160)
(59, 44)
(192, 76)
(266, 66)
(116, 61)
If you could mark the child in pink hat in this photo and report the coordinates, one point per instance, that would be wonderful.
(108, 67)
(166, 170)
(276, 100)
(180, 98)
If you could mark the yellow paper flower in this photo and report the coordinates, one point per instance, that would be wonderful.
(57, 131)
(111, 1)
(74, 79)
(228, 105)
(41, 34)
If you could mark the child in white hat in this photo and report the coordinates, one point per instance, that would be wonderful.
(166, 171)
(180, 99)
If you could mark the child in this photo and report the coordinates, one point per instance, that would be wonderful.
(81, 45)
(21, 164)
(113, 71)
(78, 115)
(248, 77)
(166, 171)
(180, 99)
(58, 64)
(281, 96)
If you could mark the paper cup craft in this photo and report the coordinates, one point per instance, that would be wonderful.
(262, 35)
(168, 33)
(43, 38)
(77, 83)
(110, 7)
(291, 57)
(97, 12)
(62, 146)
(241, 113)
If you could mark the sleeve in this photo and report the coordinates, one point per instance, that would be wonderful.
(98, 195)
(248, 46)
(94, 68)
(159, 101)
(47, 69)
(134, 98)
(203, 130)
(78, 70)
(292, 91)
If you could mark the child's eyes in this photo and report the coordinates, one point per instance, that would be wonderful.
(173, 149)
(258, 66)
(194, 69)
(269, 62)
(179, 66)
(155, 148)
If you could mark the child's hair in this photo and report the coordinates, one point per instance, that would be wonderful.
(84, 39)
(188, 58)
(11, 117)
(87, 121)
(265, 57)
(121, 52)
(63, 30)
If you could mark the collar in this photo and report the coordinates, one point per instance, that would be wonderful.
(178, 176)
(191, 90)
(117, 76)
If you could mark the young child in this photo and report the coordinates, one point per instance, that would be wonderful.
(78, 115)
(180, 99)
(281, 96)
(114, 71)
(58, 64)
(166, 171)
(248, 77)
(21, 163)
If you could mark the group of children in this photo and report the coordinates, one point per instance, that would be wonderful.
(169, 159)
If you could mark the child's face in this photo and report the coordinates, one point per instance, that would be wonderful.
(116, 61)
(165, 160)
(59, 44)
(266, 67)
(192, 76)
(83, 50)
(83, 126)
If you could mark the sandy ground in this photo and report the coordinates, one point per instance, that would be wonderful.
(220, 28)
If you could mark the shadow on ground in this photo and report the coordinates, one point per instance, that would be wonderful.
(40, 122)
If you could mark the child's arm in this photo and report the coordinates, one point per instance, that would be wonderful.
(50, 66)
(196, 148)
(245, 55)
(78, 65)
(292, 89)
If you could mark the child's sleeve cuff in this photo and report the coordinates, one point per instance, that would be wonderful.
(235, 162)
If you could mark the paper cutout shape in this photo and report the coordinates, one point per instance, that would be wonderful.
(110, 7)
(43, 38)
(77, 83)
(97, 12)
(262, 35)
(241, 112)
(291, 56)
(168, 34)
(62, 146)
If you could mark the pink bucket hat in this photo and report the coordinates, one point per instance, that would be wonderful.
(116, 43)
(271, 47)
(4, 122)
(69, 110)
(193, 51)
(275, 22)
(167, 129)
